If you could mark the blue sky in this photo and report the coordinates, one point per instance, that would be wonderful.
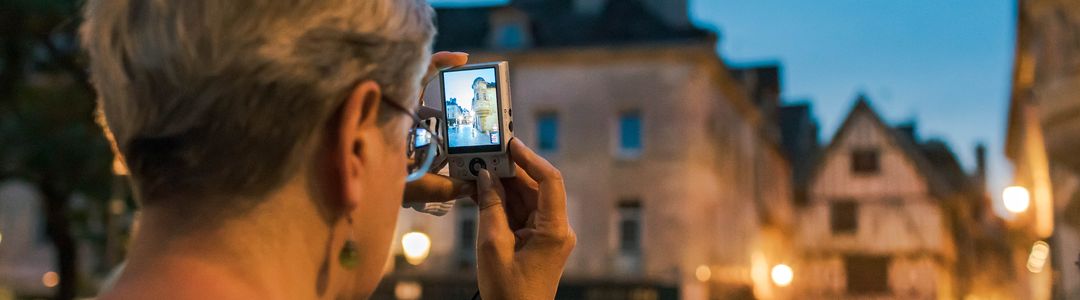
(945, 64)
(459, 85)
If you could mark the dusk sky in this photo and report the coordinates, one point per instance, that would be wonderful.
(944, 64)
(459, 85)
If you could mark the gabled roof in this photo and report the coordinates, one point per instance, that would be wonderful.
(554, 23)
(762, 82)
(938, 184)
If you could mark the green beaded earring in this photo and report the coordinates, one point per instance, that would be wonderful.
(350, 254)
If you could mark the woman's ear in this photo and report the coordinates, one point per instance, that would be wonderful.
(355, 128)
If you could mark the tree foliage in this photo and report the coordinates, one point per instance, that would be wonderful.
(48, 136)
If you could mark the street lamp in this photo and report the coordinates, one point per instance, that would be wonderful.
(416, 246)
(782, 275)
(1016, 199)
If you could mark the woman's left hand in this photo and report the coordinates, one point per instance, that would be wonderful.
(435, 187)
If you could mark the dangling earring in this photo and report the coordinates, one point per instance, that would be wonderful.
(350, 255)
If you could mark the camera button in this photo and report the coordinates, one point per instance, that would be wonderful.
(475, 165)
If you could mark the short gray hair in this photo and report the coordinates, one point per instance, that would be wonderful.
(206, 97)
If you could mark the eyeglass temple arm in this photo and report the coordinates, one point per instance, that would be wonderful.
(425, 113)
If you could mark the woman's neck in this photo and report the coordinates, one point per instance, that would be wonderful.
(275, 252)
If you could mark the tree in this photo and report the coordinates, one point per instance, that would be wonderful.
(48, 136)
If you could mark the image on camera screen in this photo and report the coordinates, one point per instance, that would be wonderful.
(472, 107)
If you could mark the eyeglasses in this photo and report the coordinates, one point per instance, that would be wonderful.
(422, 143)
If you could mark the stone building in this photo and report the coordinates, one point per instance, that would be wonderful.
(890, 216)
(677, 184)
(484, 105)
(1042, 141)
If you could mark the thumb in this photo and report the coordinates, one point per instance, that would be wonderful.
(494, 233)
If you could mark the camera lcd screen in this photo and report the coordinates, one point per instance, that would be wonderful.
(471, 104)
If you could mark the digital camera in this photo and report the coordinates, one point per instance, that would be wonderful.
(478, 119)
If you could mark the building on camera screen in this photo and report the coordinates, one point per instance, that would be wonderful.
(472, 107)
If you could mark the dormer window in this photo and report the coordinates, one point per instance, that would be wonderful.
(509, 29)
(510, 36)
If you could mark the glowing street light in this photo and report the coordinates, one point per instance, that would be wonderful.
(416, 246)
(1016, 198)
(782, 275)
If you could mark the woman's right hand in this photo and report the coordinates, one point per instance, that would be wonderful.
(524, 235)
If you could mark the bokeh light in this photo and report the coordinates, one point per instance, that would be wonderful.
(702, 273)
(50, 279)
(1016, 199)
(416, 246)
(1037, 259)
(408, 290)
(782, 275)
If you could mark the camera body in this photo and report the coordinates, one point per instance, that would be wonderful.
(478, 119)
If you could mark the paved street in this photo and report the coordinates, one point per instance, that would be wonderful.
(468, 136)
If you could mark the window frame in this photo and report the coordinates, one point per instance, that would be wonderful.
(554, 117)
(848, 226)
(508, 30)
(861, 156)
(466, 251)
(625, 153)
(629, 210)
(871, 274)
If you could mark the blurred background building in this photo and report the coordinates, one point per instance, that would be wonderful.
(687, 177)
(891, 216)
(1042, 141)
(677, 181)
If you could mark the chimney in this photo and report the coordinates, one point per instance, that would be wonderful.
(676, 13)
(980, 166)
(908, 130)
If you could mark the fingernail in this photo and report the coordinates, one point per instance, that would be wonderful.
(491, 176)
(483, 176)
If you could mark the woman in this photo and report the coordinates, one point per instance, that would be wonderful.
(266, 142)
